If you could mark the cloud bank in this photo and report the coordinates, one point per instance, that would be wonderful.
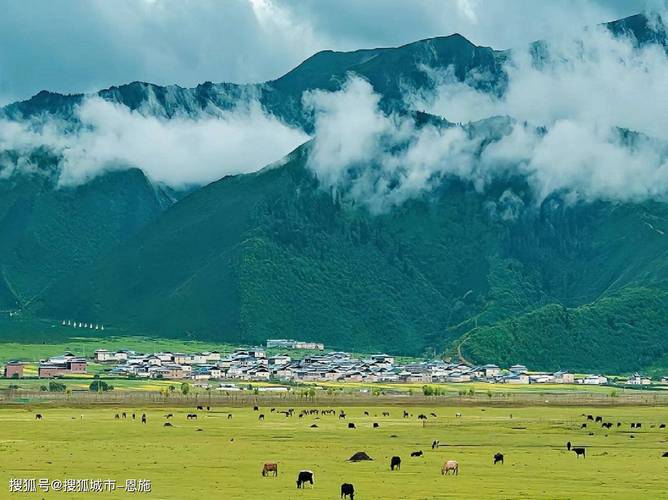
(178, 151)
(588, 118)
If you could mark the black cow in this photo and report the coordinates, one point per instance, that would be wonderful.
(117, 416)
(579, 451)
(143, 418)
(662, 426)
(191, 416)
(351, 426)
(405, 414)
(434, 444)
(568, 446)
(366, 413)
(386, 414)
(665, 454)
(229, 416)
(169, 415)
(633, 425)
(347, 490)
(619, 424)
(433, 415)
(590, 417)
(498, 457)
(305, 476)
(376, 425)
(422, 416)
(638, 425)
(417, 454)
(38, 416)
(124, 415)
(255, 408)
(583, 426)
(261, 417)
(199, 407)
(167, 424)
(599, 419)
(133, 416)
(395, 462)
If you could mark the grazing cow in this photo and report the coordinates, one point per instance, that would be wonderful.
(633, 425)
(208, 408)
(386, 414)
(133, 416)
(366, 413)
(417, 454)
(450, 465)
(342, 415)
(638, 425)
(270, 467)
(395, 462)
(255, 408)
(199, 408)
(124, 415)
(662, 426)
(229, 416)
(167, 424)
(169, 415)
(578, 452)
(665, 454)
(590, 417)
(347, 490)
(261, 417)
(376, 425)
(143, 418)
(583, 426)
(434, 444)
(459, 415)
(619, 424)
(599, 419)
(117, 416)
(351, 426)
(191, 416)
(498, 457)
(568, 446)
(433, 414)
(422, 416)
(38, 416)
(305, 476)
(314, 426)
(405, 414)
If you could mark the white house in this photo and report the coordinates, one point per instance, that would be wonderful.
(103, 355)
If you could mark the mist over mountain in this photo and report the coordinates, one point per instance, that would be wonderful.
(498, 205)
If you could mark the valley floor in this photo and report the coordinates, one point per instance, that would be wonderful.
(220, 457)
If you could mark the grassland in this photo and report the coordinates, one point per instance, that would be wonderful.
(224, 459)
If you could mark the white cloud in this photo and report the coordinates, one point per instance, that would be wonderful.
(177, 151)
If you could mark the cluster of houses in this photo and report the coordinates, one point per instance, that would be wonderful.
(254, 364)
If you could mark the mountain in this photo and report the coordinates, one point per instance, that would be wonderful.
(47, 233)
(578, 286)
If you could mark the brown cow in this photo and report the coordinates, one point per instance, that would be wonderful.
(450, 465)
(270, 467)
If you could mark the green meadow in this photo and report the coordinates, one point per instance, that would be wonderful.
(217, 457)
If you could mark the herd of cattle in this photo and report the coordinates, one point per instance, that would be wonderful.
(347, 489)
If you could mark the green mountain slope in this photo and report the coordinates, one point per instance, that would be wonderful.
(272, 254)
(47, 233)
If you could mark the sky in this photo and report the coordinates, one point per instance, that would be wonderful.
(71, 46)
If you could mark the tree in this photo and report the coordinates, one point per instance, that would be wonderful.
(56, 387)
(185, 388)
(99, 386)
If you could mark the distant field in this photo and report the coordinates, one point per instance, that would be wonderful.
(224, 459)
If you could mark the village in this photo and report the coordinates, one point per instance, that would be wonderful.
(289, 365)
